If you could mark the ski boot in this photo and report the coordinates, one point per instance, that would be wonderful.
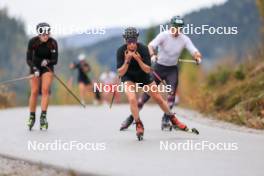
(139, 129)
(181, 126)
(165, 123)
(43, 122)
(127, 123)
(31, 122)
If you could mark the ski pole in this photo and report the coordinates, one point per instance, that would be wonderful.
(159, 78)
(16, 79)
(113, 97)
(187, 61)
(65, 86)
(112, 100)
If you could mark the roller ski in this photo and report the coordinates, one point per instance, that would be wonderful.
(177, 125)
(165, 123)
(139, 129)
(31, 122)
(43, 122)
(193, 130)
(127, 123)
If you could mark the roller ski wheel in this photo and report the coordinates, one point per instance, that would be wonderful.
(166, 127)
(127, 123)
(193, 130)
(44, 126)
(140, 136)
(31, 122)
(140, 130)
(165, 123)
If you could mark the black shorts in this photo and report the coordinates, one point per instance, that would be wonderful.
(84, 79)
(42, 70)
(167, 73)
(143, 79)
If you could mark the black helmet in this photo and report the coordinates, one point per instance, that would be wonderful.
(177, 21)
(130, 33)
(43, 28)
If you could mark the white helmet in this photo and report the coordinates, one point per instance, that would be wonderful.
(81, 57)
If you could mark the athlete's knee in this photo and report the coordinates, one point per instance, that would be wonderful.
(34, 92)
(157, 98)
(140, 103)
(132, 99)
(45, 91)
(142, 100)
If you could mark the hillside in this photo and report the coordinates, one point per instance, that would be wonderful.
(80, 40)
(230, 92)
(12, 55)
(101, 52)
(239, 13)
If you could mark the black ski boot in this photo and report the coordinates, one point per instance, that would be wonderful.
(43, 122)
(31, 122)
(165, 123)
(127, 123)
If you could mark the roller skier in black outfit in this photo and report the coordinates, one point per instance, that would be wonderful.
(134, 66)
(170, 45)
(42, 55)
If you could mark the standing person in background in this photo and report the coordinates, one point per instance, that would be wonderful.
(84, 82)
(42, 55)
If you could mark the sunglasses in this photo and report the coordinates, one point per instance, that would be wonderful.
(131, 41)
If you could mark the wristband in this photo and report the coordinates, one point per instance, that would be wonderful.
(35, 68)
(152, 54)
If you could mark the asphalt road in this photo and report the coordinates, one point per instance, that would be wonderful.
(99, 147)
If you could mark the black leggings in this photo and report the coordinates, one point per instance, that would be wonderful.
(170, 75)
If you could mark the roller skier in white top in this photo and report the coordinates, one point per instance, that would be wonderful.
(170, 45)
